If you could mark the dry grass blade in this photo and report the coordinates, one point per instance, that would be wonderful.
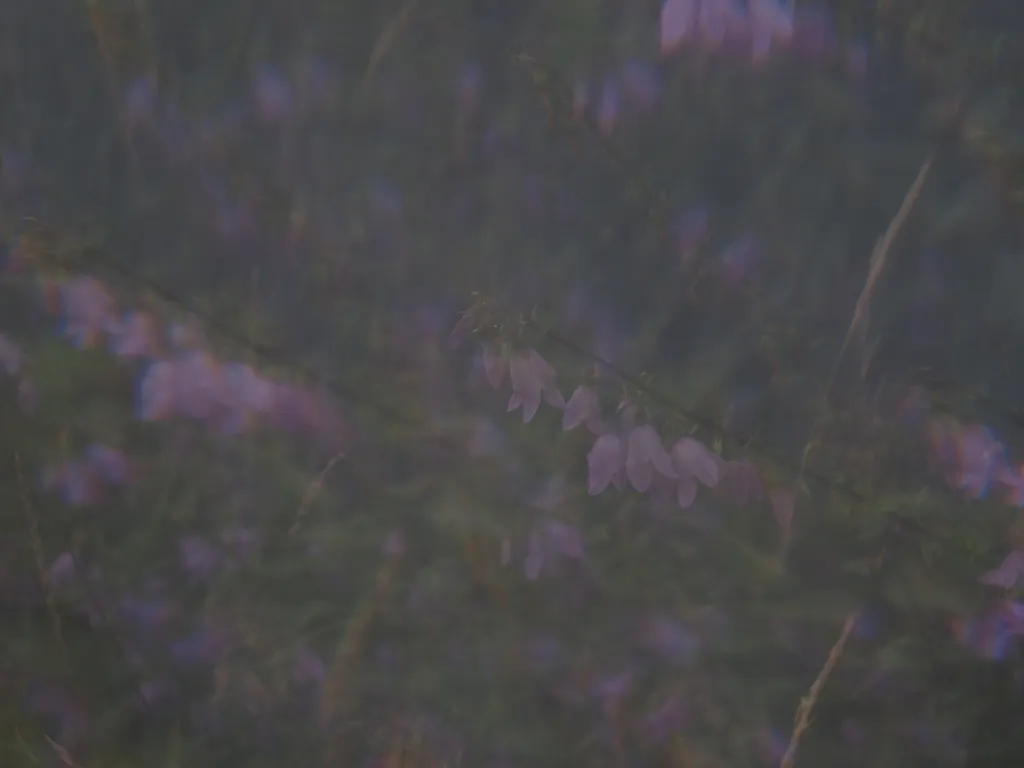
(40, 557)
(861, 310)
(803, 712)
(312, 491)
(387, 38)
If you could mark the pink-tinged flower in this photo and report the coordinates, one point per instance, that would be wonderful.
(770, 20)
(987, 636)
(74, 481)
(678, 24)
(108, 464)
(640, 85)
(88, 310)
(644, 454)
(1008, 574)
(494, 365)
(720, 20)
(980, 457)
(584, 407)
(273, 95)
(532, 378)
(606, 464)
(157, 393)
(199, 380)
(134, 335)
(694, 462)
(462, 330)
(814, 34)
(198, 557)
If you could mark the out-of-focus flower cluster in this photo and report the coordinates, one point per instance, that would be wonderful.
(754, 28)
(181, 378)
(176, 378)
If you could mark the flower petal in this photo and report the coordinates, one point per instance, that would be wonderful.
(686, 491)
(692, 457)
(494, 366)
(604, 463)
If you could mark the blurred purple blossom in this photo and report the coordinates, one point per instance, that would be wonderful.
(678, 24)
(198, 557)
(584, 407)
(645, 454)
(494, 364)
(63, 571)
(272, 94)
(532, 378)
(640, 85)
(88, 310)
(107, 464)
(980, 457)
(75, 481)
(606, 464)
(134, 335)
(694, 462)
(669, 639)
(1009, 572)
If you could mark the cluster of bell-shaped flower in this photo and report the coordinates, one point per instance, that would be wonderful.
(624, 452)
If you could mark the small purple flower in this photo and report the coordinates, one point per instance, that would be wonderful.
(272, 93)
(1008, 574)
(88, 310)
(694, 462)
(198, 557)
(532, 378)
(108, 464)
(494, 365)
(133, 336)
(606, 464)
(980, 457)
(157, 396)
(644, 454)
(584, 407)
(678, 24)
